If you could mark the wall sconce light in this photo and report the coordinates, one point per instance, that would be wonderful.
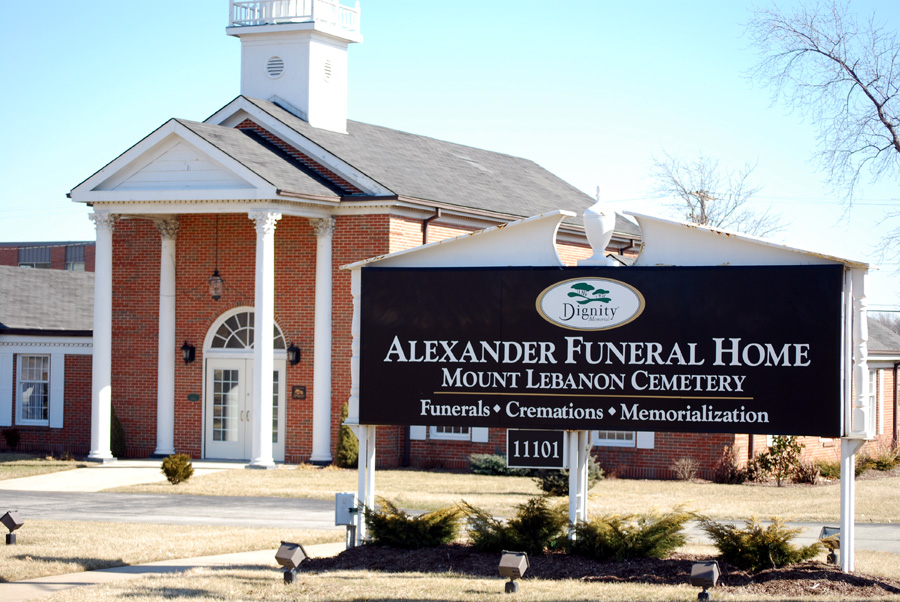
(290, 555)
(188, 352)
(831, 539)
(705, 575)
(293, 354)
(11, 521)
(513, 565)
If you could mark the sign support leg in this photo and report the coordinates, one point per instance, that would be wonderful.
(366, 478)
(574, 481)
(849, 447)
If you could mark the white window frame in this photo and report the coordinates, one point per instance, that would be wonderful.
(602, 441)
(463, 436)
(20, 401)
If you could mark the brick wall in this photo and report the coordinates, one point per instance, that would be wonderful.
(9, 256)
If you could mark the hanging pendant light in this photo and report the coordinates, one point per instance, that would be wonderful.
(216, 284)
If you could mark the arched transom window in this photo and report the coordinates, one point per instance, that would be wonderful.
(237, 333)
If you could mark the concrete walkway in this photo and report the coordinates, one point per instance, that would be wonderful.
(76, 495)
(33, 589)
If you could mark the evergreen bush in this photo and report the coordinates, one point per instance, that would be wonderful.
(347, 453)
(829, 469)
(756, 473)
(535, 527)
(556, 482)
(390, 526)
(727, 470)
(623, 536)
(757, 547)
(116, 435)
(12, 437)
(177, 468)
(495, 465)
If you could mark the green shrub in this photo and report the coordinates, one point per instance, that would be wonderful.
(829, 469)
(12, 437)
(782, 458)
(727, 470)
(495, 465)
(177, 468)
(884, 457)
(863, 463)
(556, 482)
(757, 547)
(807, 473)
(390, 526)
(116, 435)
(623, 536)
(535, 527)
(347, 453)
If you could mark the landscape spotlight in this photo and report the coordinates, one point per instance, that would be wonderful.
(831, 539)
(513, 565)
(11, 521)
(290, 555)
(705, 575)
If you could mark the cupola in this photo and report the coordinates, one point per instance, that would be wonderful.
(294, 53)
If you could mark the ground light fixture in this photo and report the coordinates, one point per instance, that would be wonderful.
(12, 521)
(513, 565)
(290, 555)
(705, 575)
(830, 537)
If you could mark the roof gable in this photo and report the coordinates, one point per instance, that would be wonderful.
(186, 160)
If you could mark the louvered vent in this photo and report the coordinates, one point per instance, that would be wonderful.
(275, 67)
(327, 70)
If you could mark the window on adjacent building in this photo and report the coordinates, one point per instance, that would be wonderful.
(614, 438)
(75, 258)
(34, 257)
(450, 432)
(34, 389)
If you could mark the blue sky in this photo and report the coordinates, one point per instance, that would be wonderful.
(591, 90)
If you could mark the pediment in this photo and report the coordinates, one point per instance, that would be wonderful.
(178, 165)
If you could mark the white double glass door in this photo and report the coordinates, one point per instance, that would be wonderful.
(228, 409)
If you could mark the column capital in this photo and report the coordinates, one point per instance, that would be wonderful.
(265, 220)
(323, 226)
(168, 228)
(104, 220)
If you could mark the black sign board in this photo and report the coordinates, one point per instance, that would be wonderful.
(535, 449)
(688, 349)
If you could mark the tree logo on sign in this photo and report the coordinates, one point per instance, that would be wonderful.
(590, 303)
(588, 293)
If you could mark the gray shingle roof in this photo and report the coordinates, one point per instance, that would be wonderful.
(257, 157)
(882, 338)
(428, 169)
(48, 300)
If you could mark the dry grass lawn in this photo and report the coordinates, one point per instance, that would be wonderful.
(875, 498)
(265, 584)
(13, 466)
(59, 547)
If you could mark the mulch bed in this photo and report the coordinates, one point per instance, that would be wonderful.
(808, 578)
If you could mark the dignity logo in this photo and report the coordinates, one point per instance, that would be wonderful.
(590, 304)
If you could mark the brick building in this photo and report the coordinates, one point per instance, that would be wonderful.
(45, 358)
(76, 256)
(209, 232)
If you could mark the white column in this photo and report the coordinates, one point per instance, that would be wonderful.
(264, 324)
(165, 367)
(584, 450)
(321, 442)
(101, 373)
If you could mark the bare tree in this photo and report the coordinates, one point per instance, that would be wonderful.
(707, 195)
(890, 320)
(844, 76)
